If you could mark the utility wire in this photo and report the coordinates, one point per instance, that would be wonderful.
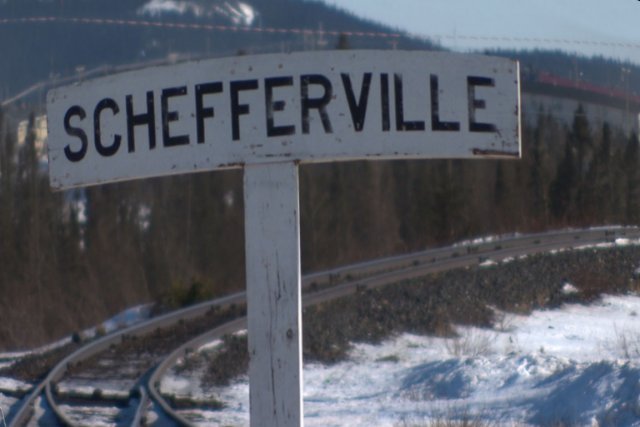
(541, 40)
(306, 31)
(185, 26)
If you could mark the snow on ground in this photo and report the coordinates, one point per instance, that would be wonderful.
(501, 237)
(124, 319)
(128, 318)
(6, 402)
(110, 389)
(96, 416)
(579, 365)
(14, 385)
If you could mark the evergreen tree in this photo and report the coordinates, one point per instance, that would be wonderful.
(8, 255)
(499, 188)
(568, 192)
(599, 188)
(343, 42)
(447, 202)
(562, 188)
(29, 224)
(538, 196)
(632, 195)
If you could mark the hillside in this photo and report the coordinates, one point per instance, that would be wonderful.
(49, 40)
(180, 239)
(600, 71)
(52, 39)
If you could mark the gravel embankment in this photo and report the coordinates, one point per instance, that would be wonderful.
(435, 303)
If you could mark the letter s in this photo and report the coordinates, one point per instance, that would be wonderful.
(75, 156)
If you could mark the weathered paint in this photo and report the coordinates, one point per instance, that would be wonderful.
(307, 107)
(272, 233)
(268, 114)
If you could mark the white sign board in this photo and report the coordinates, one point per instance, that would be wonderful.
(269, 113)
(302, 107)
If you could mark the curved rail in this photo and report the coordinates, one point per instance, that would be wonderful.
(138, 419)
(154, 380)
(356, 276)
(448, 259)
(23, 414)
(498, 249)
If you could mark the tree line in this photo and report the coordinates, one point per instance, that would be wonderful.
(71, 259)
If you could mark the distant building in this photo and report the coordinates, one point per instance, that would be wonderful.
(560, 98)
(40, 130)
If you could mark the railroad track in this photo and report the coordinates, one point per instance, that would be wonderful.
(119, 374)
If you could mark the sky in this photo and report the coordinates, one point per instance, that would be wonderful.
(609, 28)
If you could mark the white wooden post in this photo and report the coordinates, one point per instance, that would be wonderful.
(272, 236)
(267, 113)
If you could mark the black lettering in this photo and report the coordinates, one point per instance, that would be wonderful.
(171, 116)
(103, 150)
(436, 124)
(272, 106)
(384, 99)
(201, 112)
(238, 109)
(75, 156)
(134, 120)
(319, 104)
(475, 104)
(358, 109)
(401, 124)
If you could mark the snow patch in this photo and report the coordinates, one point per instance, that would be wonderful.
(565, 365)
(237, 12)
(108, 388)
(97, 416)
(569, 289)
(128, 318)
(487, 239)
(160, 7)
(487, 263)
(210, 346)
(13, 385)
(625, 242)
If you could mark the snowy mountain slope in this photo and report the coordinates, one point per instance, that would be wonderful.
(236, 12)
(88, 34)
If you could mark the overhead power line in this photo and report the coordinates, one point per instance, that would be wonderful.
(540, 40)
(308, 31)
(193, 26)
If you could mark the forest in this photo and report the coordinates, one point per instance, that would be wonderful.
(71, 259)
